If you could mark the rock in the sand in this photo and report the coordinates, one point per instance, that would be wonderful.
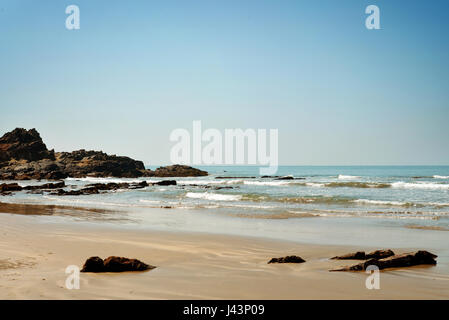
(93, 264)
(287, 259)
(114, 264)
(397, 261)
(361, 255)
(379, 254)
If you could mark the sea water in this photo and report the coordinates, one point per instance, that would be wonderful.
(374, 205)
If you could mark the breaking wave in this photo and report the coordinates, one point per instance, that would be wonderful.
(344, 177)
(423, 185)
(357, 185)
(213, 196)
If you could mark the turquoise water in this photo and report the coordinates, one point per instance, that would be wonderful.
(406, 193)
(371, 206)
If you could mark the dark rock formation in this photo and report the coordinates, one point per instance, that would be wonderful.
(24, 156)
(46, 186)
(282, 177)
(285, 178)
(287, 259)
(176, 170)
(380, 254)
(21, 144)
(114, 264)
(83, 163)
(7, 188)
(395, 261)
(360, 255)
(93, 264)
(165, 183)
(96, 188)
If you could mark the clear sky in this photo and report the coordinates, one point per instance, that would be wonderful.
(338, 93)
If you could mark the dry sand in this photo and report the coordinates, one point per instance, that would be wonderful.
(34, 253)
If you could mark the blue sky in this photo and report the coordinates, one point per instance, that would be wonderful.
(338, 93)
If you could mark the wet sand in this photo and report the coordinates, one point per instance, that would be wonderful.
(35, 251)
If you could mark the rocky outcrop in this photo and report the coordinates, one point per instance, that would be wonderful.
(287, 259)
(21, 144)
(114, 264)
(96, 188)
(361, 255)
(176, 170)
(395, 261)
(7, 188)
(165, 183)
(285, 178)
(83, 163)
(24, 156)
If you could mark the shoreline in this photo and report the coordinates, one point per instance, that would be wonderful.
(190, 265)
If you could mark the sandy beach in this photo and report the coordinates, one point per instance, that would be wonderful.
(35, 251)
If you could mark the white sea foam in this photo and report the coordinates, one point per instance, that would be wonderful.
(315, 185)
(440, 177)
(150, 201)
(343, 177)
(213, 196)
(198, 182)
(423, 185)
(266, 183)
(380, 202)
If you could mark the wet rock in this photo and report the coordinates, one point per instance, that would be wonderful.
(396, 261)
(165, 183)
(285, 178)
(226, 187)
(176, 170)
(287, 259)
(8, 187)
(96, 188)
(46, 186)
(361, 255)
(114, 264)
(62, 192)
(379, 254)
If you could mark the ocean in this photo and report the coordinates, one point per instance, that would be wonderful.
(333, 204)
